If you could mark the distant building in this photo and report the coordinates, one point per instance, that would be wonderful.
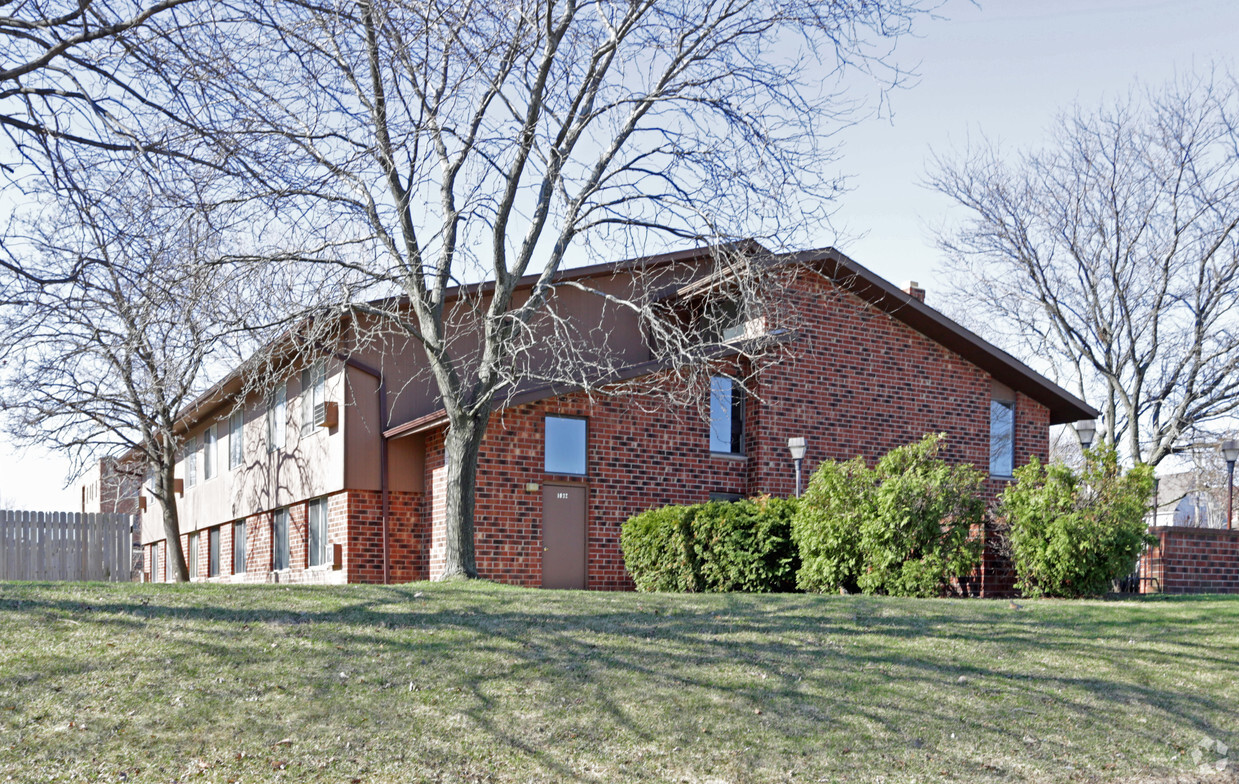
(1189, 499)
(113, 486)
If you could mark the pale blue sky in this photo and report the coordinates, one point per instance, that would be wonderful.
(1003, 69)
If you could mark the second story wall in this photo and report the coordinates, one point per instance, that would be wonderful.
(596, 328)
(857, 381)
(281, 456)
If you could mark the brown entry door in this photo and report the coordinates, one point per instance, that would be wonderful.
(563, 536)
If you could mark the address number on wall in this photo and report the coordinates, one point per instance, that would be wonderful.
(563, 496)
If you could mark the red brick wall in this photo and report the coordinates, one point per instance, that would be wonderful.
(1191, 560)
(354, 520)
(153, 562)
(434, 509)
(259, 547)
(857, 381)
(408, 536)
(259, 544)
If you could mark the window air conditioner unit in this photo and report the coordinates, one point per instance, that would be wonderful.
(326, 414)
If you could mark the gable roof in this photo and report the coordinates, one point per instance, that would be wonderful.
(850, 276)
(846, 273)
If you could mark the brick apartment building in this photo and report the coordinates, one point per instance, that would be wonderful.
(338, 475)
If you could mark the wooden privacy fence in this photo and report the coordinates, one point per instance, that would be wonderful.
(65, 546)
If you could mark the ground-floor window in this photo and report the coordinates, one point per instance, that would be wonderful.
(279, 540)
(238, 547)
(320, 547)
(213, 552)
(193, 555)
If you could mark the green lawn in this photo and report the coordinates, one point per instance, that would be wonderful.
(479, 682)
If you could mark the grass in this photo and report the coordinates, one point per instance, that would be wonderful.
(480, 682)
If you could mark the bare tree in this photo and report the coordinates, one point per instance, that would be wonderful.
(429, 146)
(63, 76)
(87, 75)
(1110, 257)
(102, 362)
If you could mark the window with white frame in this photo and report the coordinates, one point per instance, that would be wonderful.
(313, 393)
(1001, 437)
(236, 439)
(277, 418)
(238, 547)
(193, 555)
(320, 547)
(213, 552)
(190, 453)
(279, 540)
(208, 453)
(726, 416)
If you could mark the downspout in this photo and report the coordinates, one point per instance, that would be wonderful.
(383, 426)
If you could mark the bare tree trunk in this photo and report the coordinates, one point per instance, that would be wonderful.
(461, 448)
(165, 486)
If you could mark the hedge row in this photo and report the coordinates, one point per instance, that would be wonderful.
(718, 546)
(906, 527)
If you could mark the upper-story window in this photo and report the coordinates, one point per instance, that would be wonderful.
(236, 439)
(565, 445)
(208, 453)
(277, 418)
(727, 319)
(726, 416)
(728, 323)
(1002, 433)
(191, 462)
(313, 393)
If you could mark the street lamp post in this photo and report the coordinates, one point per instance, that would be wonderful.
(1230, 451)
(797, 447)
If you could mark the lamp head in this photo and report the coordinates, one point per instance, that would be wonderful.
(1086, 429)
(797, 447)
(1230, 450)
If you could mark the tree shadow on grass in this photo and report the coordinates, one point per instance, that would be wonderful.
(807, 665)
